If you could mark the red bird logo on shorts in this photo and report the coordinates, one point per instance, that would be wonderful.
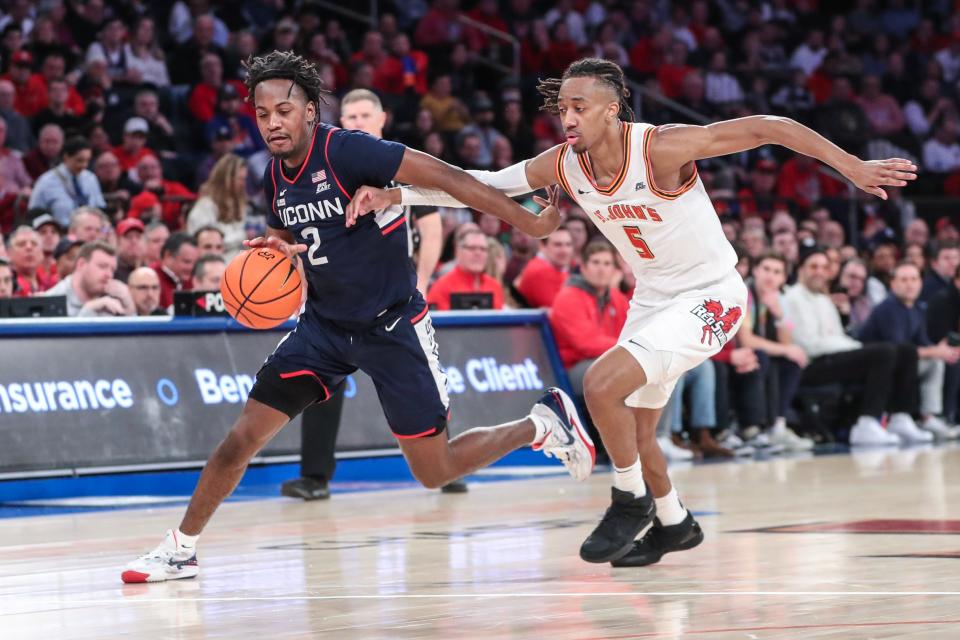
(716, 321)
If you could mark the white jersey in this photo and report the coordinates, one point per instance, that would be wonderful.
(671, 239)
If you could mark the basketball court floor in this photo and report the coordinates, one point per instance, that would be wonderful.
(836, 546)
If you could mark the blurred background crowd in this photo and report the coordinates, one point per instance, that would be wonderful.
(130, 168)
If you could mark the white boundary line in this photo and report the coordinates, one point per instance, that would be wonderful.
(133, 599)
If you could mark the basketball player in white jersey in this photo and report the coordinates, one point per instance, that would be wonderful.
(639, 185)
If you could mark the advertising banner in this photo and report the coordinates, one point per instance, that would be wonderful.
(81, 401)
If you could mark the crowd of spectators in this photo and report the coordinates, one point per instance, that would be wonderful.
(128, 149)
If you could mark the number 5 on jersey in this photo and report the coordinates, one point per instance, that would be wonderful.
(643, 249)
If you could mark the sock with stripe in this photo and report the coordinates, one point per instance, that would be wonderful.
(630, 479)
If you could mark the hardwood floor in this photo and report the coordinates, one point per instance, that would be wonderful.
(840, 546)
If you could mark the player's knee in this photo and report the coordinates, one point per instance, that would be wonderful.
(431, 477)
(599, 387)
(239, 446)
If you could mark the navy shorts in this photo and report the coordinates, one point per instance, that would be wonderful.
(398, 352)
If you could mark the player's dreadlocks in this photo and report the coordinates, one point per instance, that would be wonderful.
(603, 70)
(285, 65)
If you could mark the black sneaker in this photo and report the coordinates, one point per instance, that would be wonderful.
(457, 486)
(625, 518)
(305, 489)
(660, 540)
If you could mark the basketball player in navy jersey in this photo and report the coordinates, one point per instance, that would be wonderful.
(360, 110)
(362, 311)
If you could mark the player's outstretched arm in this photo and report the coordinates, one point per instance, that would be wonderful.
(673, 147)
(519, 179)
(437, 183)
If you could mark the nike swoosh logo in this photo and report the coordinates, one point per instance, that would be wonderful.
(582, 192)
(632, 341)
(390, 326)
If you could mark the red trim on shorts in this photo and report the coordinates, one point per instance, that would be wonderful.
(417, 318)
(305, 160)
(423, 434)
(399, 221)
(307, 372)
(326, 155)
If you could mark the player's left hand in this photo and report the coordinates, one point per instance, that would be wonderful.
(549, 218)
(365, 200)
(870, 175)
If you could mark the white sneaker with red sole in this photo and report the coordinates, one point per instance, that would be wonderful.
(169, 561)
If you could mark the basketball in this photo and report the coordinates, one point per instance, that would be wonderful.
(261, 288)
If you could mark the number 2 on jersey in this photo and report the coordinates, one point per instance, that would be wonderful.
(643, 249)
(313, 234)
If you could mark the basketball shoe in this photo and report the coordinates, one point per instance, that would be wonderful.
(565, 438)
(624, 519)
(661, 540)
(169, 561)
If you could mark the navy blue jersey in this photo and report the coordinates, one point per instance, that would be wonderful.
(353, 274)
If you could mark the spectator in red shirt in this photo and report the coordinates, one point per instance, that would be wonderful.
(410, 65)
(535, 42)
(802, 182)
(57, 111)
(562, 52)
(674, 69)
(50, 233)
(588, 314)
(439, 25)
(385, 72)
(134, 147)
(26, 258)
(203, 97)
(546, 273)
(177, 258)
(468, 275)
(21, 64)
(172, 195)
(36, 98)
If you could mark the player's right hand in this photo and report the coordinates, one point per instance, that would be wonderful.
(365, 200)
(275, 243)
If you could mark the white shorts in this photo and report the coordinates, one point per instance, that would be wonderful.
(671, 338)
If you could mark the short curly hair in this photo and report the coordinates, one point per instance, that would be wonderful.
(285, 65)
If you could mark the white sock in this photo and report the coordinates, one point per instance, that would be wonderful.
(630, 479)
(669, 509)
(779, 425)
(541, 428)
(184, 541)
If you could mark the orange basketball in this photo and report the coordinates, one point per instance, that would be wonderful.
(261, 288)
